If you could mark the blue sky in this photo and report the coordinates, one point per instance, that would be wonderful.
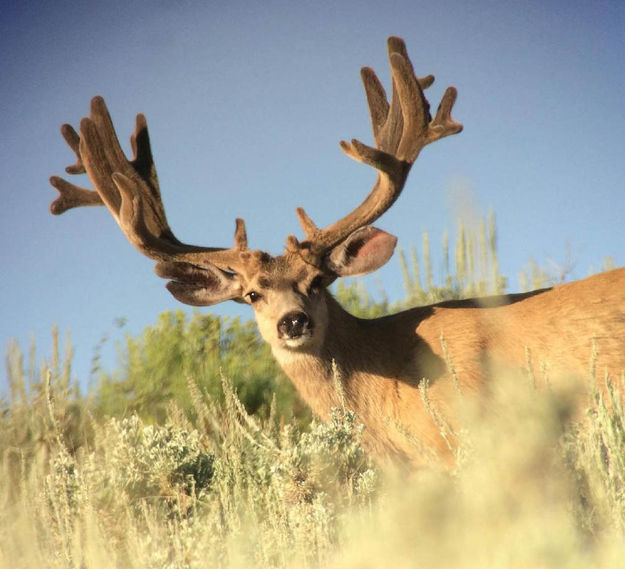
(246, 103)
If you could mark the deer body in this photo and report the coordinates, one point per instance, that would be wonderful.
(381, 364)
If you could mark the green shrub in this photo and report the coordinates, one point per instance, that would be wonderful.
(156, 367)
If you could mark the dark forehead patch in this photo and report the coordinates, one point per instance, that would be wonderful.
(301, 274)
(283, 271)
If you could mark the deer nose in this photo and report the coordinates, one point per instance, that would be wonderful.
(293, 324)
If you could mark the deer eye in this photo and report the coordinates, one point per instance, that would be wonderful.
(316, 285)
(253, 296)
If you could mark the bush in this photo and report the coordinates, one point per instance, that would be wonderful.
(532, 488)
(156, 368)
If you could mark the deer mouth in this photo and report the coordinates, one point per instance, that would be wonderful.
(298, 342)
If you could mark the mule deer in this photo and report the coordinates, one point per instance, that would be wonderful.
(381, 363)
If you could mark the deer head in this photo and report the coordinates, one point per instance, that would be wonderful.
(287, 292)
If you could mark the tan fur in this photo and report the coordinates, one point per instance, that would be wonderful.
(382, 362)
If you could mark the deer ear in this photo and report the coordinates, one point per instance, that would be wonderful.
(364, 251)
(199, 286)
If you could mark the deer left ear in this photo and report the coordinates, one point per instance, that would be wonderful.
(364, 251)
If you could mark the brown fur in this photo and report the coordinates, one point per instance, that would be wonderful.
(383, 361)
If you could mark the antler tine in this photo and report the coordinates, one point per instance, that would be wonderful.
(400, 130)
(131, 192)
(71, 195)
(73, 141)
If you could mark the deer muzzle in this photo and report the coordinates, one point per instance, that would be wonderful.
(295, 327)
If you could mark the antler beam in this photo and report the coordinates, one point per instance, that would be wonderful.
(130, 191)
(400, 130)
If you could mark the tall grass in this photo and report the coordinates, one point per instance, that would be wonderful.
(220, 468)
(532, 488)
(223, 490)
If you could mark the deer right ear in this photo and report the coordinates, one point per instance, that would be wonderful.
(199, 286)
(362, 252)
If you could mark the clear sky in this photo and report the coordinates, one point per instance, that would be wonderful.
(246, 103)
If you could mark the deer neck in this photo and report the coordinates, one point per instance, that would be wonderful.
(349, 343)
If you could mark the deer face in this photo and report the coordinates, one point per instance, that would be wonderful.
(289, 302)
(287, 293)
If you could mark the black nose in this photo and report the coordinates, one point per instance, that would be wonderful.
(293, 324)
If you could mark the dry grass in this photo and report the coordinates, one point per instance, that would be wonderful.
(531, 489)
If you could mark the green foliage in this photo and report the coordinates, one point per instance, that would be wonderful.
(157, 367)
(355, 298)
